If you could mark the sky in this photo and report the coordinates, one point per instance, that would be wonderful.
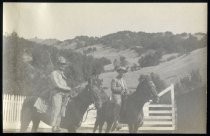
(66, 20)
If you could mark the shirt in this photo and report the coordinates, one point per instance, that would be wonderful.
(118, 85)
(59, 81)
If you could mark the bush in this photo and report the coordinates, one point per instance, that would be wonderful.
(189, 82)
(170, 58)
(105, 61)
(134, 67)
(150, 59)
(160, 86)
(159, 83)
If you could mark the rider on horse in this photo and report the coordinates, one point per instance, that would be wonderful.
(60, 92)
(119, 90)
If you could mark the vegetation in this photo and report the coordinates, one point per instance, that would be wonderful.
(164, 42)
(44, 61)
(159, 83)
(171, 58)
(135, 67)
(150, 59)
(189, 82)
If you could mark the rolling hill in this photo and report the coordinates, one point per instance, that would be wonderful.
(169, 71)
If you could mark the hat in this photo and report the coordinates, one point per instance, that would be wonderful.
(62, 60)
(121, 68)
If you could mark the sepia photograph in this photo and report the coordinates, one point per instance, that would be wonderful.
(104, 68)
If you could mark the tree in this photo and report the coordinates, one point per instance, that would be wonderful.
(123, 61)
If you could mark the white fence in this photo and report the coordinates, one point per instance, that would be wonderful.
(12, 105)
(160, 116)
(156, 116)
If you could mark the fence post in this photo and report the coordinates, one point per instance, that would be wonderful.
(146, 110)
(173, 105)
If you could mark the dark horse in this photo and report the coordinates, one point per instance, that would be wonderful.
(75, 110)
(133, 115)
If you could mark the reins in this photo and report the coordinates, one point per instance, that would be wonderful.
(93, 108)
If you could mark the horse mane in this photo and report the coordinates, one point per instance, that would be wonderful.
(76, 108)
(140, 95)
(81, 94)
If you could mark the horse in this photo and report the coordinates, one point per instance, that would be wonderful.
(75, 111)
(133, 113)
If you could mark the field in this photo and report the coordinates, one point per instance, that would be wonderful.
(169, 71)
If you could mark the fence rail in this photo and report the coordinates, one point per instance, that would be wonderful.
(155, 119)
(12, 105)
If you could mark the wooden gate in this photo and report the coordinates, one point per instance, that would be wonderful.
(160, 116)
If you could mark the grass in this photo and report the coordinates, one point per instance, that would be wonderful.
(169, 71)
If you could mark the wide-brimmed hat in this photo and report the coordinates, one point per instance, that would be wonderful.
(121, 68)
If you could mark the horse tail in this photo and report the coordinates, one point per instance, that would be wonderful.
(26, 113)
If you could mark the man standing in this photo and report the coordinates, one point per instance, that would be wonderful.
(60, 91)
(119, 91)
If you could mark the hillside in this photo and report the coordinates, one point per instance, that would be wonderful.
(131, 45)
(49, 42)
(137, 41)
(169, 71)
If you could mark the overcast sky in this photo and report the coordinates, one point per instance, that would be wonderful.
(67, 20)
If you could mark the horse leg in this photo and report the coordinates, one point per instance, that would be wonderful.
(131, 127)
(116, 126)
(101, 124)
(26, 117)
(109, 125)
(35, 124)
(136, 126)
(72, 130)
(95, 125)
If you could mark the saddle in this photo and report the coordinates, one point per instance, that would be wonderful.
(44, 106)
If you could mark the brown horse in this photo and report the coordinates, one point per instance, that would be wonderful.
(133, 116)
(74, 111)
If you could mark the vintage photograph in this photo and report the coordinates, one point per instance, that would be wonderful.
(104, 68)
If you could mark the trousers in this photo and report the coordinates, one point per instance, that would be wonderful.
(57, 100)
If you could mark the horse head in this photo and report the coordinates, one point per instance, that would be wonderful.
(95, 90)
(147, 89)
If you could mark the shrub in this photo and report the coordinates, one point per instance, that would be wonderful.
(160, 86)
(170, 58)
(134, 67)
(189, 82)
(150, 59)
(159, 83)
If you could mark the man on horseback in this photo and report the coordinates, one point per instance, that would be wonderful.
(60, 92)
(119, 91)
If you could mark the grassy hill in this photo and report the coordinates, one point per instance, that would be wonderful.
(169, 71)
